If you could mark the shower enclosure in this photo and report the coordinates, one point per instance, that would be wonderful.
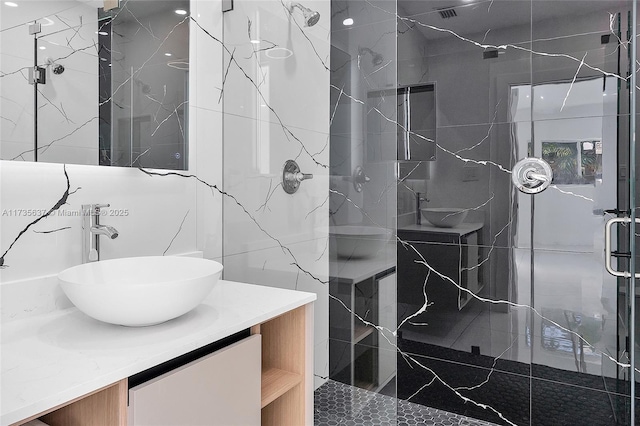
(511, 316)
(400, 107)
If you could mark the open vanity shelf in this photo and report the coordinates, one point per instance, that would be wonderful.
(275, 383)
(102, 407)
(283, 369)
(358, 353)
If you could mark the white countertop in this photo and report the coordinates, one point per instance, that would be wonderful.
(50, 359)
(462, 229)
(356, 270)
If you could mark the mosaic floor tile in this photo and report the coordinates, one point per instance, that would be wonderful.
(344, 405)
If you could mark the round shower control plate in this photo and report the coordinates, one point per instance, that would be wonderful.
(531, 175)
(292, 176)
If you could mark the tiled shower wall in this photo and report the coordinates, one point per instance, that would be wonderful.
(276, 108)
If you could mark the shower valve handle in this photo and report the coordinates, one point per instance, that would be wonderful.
(531, 175)
(292, 176)
(300, 176)
(538, 176)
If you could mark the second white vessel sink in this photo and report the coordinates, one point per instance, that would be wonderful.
(359, 241)
(140, 291)
(444, 217)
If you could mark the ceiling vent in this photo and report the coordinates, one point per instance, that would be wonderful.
(447, 12)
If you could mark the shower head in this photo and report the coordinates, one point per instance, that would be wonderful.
(55, 67)
(311, 17)
(376, 58)
(144, 87)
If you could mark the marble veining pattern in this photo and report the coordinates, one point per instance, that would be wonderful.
(274, 250)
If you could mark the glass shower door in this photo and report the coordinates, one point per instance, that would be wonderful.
(544, 339)
(579, 322)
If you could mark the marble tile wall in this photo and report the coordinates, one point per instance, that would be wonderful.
(276, 108)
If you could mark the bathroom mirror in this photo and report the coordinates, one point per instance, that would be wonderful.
(416, 129)
(417, 123)
(83, 85)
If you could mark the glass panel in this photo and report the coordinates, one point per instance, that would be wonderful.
(362, 210)
(275, 107)
(578, 102)
(464, 268)
(518, 286)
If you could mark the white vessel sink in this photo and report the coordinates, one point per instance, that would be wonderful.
(443, 217)
(140, 291)
(359, 241)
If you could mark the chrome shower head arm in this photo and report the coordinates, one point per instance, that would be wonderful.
(311, 17)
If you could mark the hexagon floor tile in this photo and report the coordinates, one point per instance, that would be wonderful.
(340, 404)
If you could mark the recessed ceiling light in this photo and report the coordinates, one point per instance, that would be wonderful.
(347, 22)
(11, 4)
(255, 41)
(181, 11)
(167, 54)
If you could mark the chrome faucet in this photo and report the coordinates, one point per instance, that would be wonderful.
(91, 231)
(107, 230)
(419, 199)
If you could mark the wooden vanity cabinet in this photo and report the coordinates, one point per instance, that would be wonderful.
(264, 379)
(287, 388)
(107, 406)
(359, 354)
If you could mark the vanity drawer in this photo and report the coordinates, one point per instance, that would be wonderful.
(222, 388)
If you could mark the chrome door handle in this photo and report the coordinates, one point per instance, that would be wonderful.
(607, 247)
